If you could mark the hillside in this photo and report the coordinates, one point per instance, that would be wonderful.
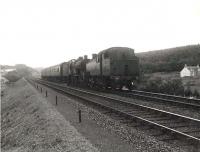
(169, 60)
(18, 71)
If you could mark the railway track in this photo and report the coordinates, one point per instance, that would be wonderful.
(176, 127)
(159, 98)
(167, 96)
(195, 103)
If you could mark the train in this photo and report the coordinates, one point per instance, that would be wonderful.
(115, 67)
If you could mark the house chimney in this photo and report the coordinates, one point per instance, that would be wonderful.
(94, 56)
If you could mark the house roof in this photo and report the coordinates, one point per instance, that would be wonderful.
(192, 68)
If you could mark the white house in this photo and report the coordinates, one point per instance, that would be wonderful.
(4, 80)
(190, 71)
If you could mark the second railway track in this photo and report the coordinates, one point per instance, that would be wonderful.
(177, 126)
(159, 98)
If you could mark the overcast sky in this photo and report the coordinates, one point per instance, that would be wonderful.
(41, 33)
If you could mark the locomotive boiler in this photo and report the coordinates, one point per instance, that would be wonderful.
(114, 67)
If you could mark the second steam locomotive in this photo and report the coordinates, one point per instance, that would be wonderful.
(114, 67)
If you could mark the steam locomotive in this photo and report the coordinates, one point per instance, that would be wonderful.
(111, 68)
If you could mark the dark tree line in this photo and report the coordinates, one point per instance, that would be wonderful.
(169, 60)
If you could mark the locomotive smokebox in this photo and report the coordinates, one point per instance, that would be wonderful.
(94, 56)
(85, 57)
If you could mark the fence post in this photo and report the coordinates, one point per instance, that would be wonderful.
(79, 115)
(46, 93)
(56, 100)
(41, 89)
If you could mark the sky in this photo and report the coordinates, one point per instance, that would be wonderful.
(41, 33)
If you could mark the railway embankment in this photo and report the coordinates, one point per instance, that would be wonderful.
(30, 123)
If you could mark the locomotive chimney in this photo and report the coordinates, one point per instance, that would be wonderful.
(85, 57)
(94, 56)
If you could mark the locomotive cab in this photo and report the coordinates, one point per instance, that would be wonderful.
(122, 65)
(115, 67)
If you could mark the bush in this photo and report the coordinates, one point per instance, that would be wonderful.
(173, 86)
(153, 85)
(12, 76)
(176, 87)
(188, 92)
(196, 94)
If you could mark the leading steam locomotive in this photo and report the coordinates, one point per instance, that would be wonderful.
(111, 68)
